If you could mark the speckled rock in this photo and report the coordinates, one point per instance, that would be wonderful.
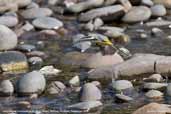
(105, 13)
(153, 108)
(90, 92)
(47, 23)
(33, 82)
(36, 13)
(8, 39)
(6, 88)
(35, 60)
(137, 14)
(13, 61)
(158, 10)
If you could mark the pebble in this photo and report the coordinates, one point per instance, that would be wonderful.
(49, 71)
(27, 27)
(153, 85)
(154, 78)
(166, 3)
(35, 60)
(24, 104)
(157, 32)
(36, 13)
(6, 88)
(105, 13)
(158, 10)
(86, 105)
(158, 23)
(47, 23)
(26, 47)
(147, 2)
(56, 87)
(137, 14)
(8, 39)
(123, 98)
(75, 81)
(32, 5)
(153, 108)
(154, 94)
(36, 53)
(9, 21)
(13, 61)
(120, 85)
(30, 83)
(90, 92)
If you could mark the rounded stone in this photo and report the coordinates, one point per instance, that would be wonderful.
(9, 21)
(13, 61)
(33, 82)
(153, 85)
(154, 78)
(158, 10)
(36, 13)
(6, 88)
(26, 47)
(123, 98)
(154, 94)
(166, 3)
(89, 92)
(120, 85)
(56, 87)
(35, 60)
(8, 39)
(47, 23)
(147, 2)
(137, 14)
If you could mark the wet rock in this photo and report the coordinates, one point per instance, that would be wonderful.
(13, 61)
(105, 13)
(9, 21)
(157, 32)
(35, 60)
(99, 60)
(147, 2)
(30, 83)
(158, 10)
(90, 92)
(36, 53)
(26, 47)
(94, 25)
(154, 78)
(154, 94)
(137, 14)
(55, 87)
(153, 85)
(169, 89)
(86, 105)
(82, 6)
(158, 23)
(6, 88)
(8, 39)
(24, 104)
(123, 98)
(153, 108)
(53, 2)
(47, 23)
(120, 85)
(36, 13)
(166, 3)
(49, 71)
(27, 27)
(75, 81)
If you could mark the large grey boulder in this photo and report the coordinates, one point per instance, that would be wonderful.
(8, 39)
(137, 14)
(90, 92)
(105, 13)
(30, 83)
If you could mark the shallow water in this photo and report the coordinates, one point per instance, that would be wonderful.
(55, 47)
